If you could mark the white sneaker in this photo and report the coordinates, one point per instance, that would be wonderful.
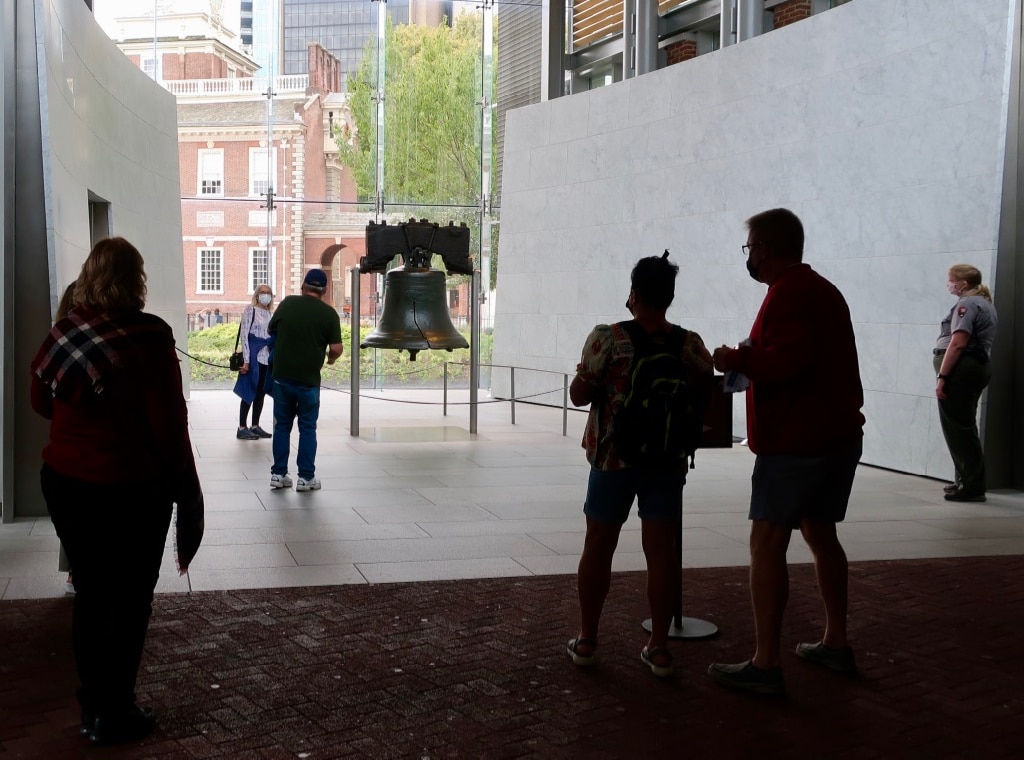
(307, 485)
(281, 481)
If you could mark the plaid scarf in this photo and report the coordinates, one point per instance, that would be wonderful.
(85, 348)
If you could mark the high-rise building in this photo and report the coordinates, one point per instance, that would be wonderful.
(343, 27)
(260, 24)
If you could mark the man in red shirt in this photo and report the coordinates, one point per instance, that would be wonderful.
(805, 425)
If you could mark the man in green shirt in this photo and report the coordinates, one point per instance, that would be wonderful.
(302, 329)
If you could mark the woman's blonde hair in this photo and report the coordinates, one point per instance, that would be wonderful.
(972, 276)
(256, 295)
(112, 277)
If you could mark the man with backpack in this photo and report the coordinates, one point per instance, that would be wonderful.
(648, 383)
(805, 425)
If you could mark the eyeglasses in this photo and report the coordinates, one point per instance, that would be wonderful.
(747, 248)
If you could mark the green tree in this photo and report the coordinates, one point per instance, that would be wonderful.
(432, 116)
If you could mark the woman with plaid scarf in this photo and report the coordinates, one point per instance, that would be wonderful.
(118, 458)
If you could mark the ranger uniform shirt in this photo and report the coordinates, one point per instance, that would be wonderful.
(974, 315)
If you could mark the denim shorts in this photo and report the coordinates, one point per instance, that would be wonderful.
(610, 495)
(786, 489)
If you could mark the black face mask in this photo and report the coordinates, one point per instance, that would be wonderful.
(752, 270)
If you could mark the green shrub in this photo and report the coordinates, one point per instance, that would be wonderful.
(213, 345)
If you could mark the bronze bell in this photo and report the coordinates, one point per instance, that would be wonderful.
(415, 315)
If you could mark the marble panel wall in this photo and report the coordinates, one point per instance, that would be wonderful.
(89, 126)
(882, 125)
(109, 130)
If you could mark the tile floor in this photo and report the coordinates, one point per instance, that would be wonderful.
(415, 497)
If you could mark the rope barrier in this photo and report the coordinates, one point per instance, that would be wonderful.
(395, 400)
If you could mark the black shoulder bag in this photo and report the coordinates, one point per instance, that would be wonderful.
(236, 360)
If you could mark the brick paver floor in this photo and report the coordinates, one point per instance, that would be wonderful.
(476, 668)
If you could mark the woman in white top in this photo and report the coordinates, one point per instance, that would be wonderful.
(253, 376)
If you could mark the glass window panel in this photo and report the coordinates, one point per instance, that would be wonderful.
(211, 172)
(259, 268)
(210, 270)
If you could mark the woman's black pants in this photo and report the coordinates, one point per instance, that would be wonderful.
(114, 536)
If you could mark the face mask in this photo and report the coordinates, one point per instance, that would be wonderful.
(953, 288)
(752, 270)
(265, 299)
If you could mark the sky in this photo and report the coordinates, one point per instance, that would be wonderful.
(108, 10)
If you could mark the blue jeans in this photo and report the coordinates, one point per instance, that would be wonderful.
(293, 400)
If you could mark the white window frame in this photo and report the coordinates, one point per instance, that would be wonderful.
(252, 268)
(151, 67)
(219, 253)
(258, 171)
(210, 169)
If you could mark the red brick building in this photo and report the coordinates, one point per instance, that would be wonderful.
(250, 172)
(237, 156)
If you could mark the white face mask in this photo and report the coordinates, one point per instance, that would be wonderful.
(265, 299)
(953, 288)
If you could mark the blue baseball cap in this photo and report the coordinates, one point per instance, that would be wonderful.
(316, 278)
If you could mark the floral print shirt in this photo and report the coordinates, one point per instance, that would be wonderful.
(605, 364)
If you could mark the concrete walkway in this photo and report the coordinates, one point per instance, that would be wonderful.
(418, 606)
(415, 497)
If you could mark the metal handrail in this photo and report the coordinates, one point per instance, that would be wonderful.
(512, 389)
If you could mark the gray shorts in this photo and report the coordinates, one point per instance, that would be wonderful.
(786, 489)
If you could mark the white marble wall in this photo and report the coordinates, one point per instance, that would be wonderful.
(880, 124)
(110, 130)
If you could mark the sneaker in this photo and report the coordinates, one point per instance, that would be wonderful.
(281, 481)
(839, 660)
(245, 434)
(743, 676)
(260, 432)
(951, 488)
(69, 585)
(307, 484)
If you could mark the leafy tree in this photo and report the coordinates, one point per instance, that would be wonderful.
(432, 116)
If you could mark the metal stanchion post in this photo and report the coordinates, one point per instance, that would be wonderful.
(684, 627)
(445, 398)
(512, 393)
(354, 357)
(474, 350)
(565, 405)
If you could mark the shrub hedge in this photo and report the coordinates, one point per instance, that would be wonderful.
(213, 345)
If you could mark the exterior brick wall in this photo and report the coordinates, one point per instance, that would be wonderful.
(681, 51)
(791, 12)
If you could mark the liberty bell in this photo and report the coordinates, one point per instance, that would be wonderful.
(415, 316)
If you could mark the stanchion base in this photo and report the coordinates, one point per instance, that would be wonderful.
(692, 628)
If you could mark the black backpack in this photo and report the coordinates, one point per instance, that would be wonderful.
(661, 422)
